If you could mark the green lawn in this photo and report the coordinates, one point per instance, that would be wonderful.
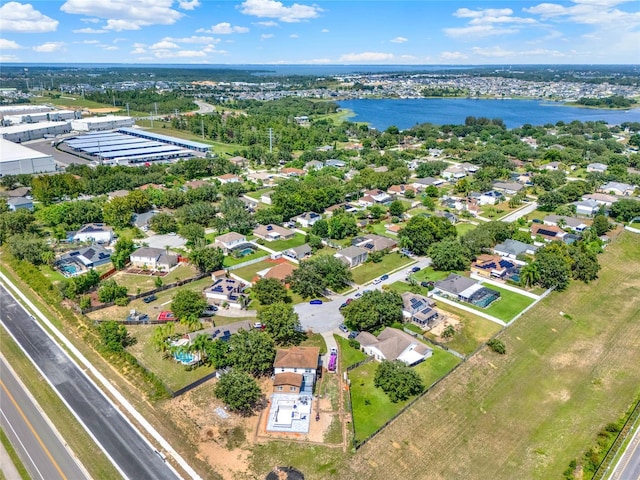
(371, 406)
(145, 283)
(315, 340)
(279, 245)
(507, 307)
(348, 355)
(258, 193)
(250, 271)
(230, 260)
(173, 374)
(635, 225)
(429, 274)
(381, 229)
(72, 102)
(463, 228)
(368, 271)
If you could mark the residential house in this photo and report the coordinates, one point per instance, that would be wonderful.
(325, 148)
(87, 257)
(273, 232)
(307, 219)
(453, 173)
(19, 203)
(300, 360)
(449, 216)
(287, 382)
(366, 201)
(249, 203)
(601, 198)
(229, 178)
(332, 162)
(279, 272)
(380, 169)
(226, 290)
(265, 177)
(141, 220)
(508, 188)
(419, 310)
(230, 241)
(347, 207)
(153, 258)
(513, 248)
(313, 165)
(575, 224)
(352, 256)
(490, 198)
(266, 198)
(435, 152)
(392, 228)
(617, 188)
(117, 194)
(548, 233)
(393, 344)
(466, 290)
(379, 196)
(195, 184)
(401, 189)
(298, 253)
(422, 183)
(374, 243)
(302, 120)
(239, 161)
(469, 167)
(587, 207)
(552, 166)
(94, 232)
(493, 266)
(16, 192)
(292, 172)
(597, 167)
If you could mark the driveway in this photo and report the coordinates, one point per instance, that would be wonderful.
(326, 317)
(526, 210)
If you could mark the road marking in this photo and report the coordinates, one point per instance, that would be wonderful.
(33, 431)
(22, 444)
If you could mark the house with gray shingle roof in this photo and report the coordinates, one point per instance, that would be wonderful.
(393, 344)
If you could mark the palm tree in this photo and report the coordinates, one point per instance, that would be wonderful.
(199, 345)
(529, 275)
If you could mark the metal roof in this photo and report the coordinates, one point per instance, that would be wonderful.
(163, 138)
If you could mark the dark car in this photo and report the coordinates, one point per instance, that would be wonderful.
(415, 269)
(353, 334)
(427, 284)
(315, 302)
(536, 220)
(384, 277)
(343, 305)
(209, 311)
(149, 299)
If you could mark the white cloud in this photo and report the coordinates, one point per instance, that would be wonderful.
(294, 35)
(366, 57)
(110, 47)
(125, 14)
(90, 30)
(324, 30)
(224, 28)
(266, 36)
(272, 9)
(49, 47)
(467, 13)
(477, 31)
(23, 18)
(188, 4)
(487, 22)
(453, 56)
(163, 45)
(500, 52)
(8, 44)
(179, 54)
(91, 42)
(192, 40)
(600, 13)
(399, 40)
(90, 20)
(138, 51)
(268, 24)
(8, 58)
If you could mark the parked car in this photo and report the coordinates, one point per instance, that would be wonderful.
(343, 305)
(536, 220)
(209, 311)
(353, 334)
(343, 328)
(358, 295)
(415, 269)
(348, 301)
(384, 277)
(377, 281)
(259, 326)
(149, 299)
(334, 350)
(427, 284)
(315, 302)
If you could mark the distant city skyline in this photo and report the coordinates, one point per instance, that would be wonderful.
(367, 32)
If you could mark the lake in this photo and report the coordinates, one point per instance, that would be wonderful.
(405, 113)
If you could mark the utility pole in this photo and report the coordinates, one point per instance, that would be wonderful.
(271, 140)
(155, 105)
(114, 99)
(202, 127)
(127, 109)
(151, 115)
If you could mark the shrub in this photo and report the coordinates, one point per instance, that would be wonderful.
(497, 346)
(353, 343)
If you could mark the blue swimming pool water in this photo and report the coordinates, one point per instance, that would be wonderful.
(246, 251)
(69, 269)
(183, 357)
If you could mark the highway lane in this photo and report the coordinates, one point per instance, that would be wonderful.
(134, 457)
(628, 468)
(42, 452)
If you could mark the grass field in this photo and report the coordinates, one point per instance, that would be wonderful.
(145, 283)
(372, 407)
(507, 307)
(230, 260)
(463, 228)
(279, 245)
(72, 102)
(429, 274)
(528, 413)
(348, 355)
(368, 271)
(250, 271)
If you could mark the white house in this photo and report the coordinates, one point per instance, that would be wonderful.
(229, 241)
(266, 198)
(94, 232)
(587, 207)
(453, 173)
(512, 248)
(392, 344)
(226, 290)
(617, 188)
(300, 360)
(352, 256)
(228, 178)
(153, 258)
(489, 198)
(597, 167)
(307, 219)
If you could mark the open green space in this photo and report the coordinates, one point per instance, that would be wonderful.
(315, 340)
(368, 271)
(279, 245)
(348, 355)
(635, 225)
(381, 229)
(570, 369)
(172, 373)
(463, 228)
(249, 272)
(230, 260)
(258, 193)
(472, 333)
(136, 283)
(508, 306)
(430, 275)
(372, 407)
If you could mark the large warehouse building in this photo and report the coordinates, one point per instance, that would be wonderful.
(52, 116)
(110, 122)
(33, 131)
(16, 159)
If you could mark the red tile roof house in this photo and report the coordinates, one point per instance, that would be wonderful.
(292, 172)
(400, 189)
(548, 232)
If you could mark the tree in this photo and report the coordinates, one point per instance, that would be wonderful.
(123, 249)
(138, 201)
(117, 212)
(206, 259)
(282, 323)
(625, 209)
(114, 336)
(266, 216)
(529, 275)
(342, 225)
(422, 232)
(29, 247)
(431, 169)
(585, 265)
(110, 291)
(449, 254)
(600, 224)
(374, 310)
(554, 266)
(315, 275)
(252, 351)
(187, 306)
(270, 290)
(218, 353)
(192, 232)
(163, 223)
(161, 336)
(321, 228)
(376, 211)
(398, 380)
(396, 208)
(236, 216)
(239, 391)
(497, 346)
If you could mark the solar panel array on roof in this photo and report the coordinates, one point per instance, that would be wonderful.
(544, 231)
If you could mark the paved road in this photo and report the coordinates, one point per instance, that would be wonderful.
(42, 452)
(520, 213)
(63, 158)
(134, 457)
(204, 107)
(327, 317)
(628, 468)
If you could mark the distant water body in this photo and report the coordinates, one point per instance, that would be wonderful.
(406, 113)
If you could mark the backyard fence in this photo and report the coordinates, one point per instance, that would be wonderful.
(433, 342)
(359, 364)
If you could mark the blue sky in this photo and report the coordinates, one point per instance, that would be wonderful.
(417, 32)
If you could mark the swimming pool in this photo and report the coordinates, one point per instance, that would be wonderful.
(185, 358)
(69, 268)
(244, 252)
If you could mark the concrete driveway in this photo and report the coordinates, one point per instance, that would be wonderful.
(326, 317)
